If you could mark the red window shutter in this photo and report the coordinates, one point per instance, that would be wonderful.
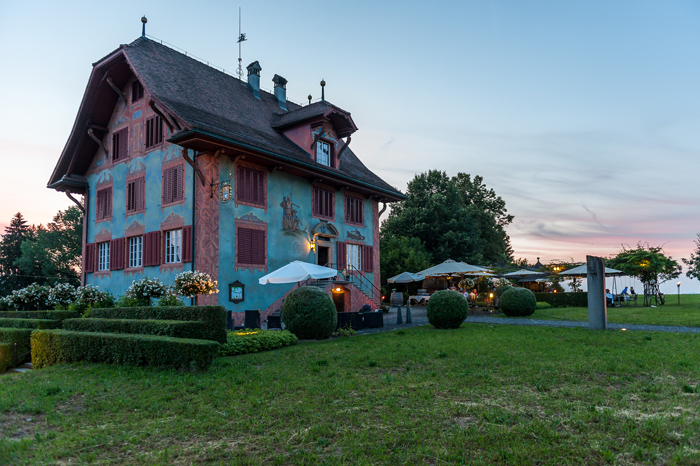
(108, 202)
(124, 143)
(140, 194)
(368, 259)
(164, 186)
(178, 191)
(341, 251)
(258, 247)
(187, 244)
(89, 259)
(239, 184)
(151, 249)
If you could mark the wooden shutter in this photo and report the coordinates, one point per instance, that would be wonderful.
(165, 186)
(108, 203)
(140, 195)
(187, 243)
(178, 191)
(258, 247)
(368, 259)
(341, 254)
(89, 259)
(123, 143)
(117, 254)
(158, 121)
(151, 249)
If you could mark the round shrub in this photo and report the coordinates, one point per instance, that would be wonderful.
(502, 289)
(309, 313)
(518, 302)
(447, 309)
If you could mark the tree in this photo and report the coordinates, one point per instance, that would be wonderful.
(401, 254)
(10, 252)
(649, 265)
(454, 218)
(55, 250)
(489, 212)
(694, 262)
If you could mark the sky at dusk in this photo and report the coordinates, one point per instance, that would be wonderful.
(583, 116)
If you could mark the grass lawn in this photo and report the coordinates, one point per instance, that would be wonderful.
(477, 395)
(687, 314)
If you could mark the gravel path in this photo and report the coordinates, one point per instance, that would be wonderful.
(419, 317)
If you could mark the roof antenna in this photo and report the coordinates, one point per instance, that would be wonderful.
(323, 90)
(241, 38)
(143, 30)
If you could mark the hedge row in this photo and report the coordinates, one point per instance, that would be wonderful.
(247, 341)
(579, 299)
(53, 315)
(214, 317)
(56, 346)
(167, 328)
(29, 323)
(7, 357)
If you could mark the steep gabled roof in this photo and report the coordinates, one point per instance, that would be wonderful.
(202, 98)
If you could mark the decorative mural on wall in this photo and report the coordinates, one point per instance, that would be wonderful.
(325, 229)
(290, 219)
(356, 235)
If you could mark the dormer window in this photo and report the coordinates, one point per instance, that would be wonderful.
(323, 153)
(136, 91)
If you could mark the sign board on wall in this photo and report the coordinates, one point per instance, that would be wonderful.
(236, 292)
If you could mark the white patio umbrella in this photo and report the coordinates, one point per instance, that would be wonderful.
(297, 271)
(450, 267)
(582, 271)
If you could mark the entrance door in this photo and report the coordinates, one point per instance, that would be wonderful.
(324, 255)
(339, 300)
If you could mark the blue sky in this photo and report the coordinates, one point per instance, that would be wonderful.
(583, 116)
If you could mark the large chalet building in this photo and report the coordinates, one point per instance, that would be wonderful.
(183, 167)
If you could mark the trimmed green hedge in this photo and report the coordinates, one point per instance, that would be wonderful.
(167, 328)
(14, 335)
(518, 302)
(51, 347)
(52, 315)
(7, 357)
(254, 341)
(309, 313)
(578, 299)
(29, 323)
(214, 317)
(447, 309)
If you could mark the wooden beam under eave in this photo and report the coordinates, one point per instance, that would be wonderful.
(116, 89)
(161, 114)
(194, 166)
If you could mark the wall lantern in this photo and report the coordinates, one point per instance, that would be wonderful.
(312, 245)
(338, 290)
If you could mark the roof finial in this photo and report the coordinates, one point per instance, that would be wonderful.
(309, 97)
(241, 38)
(143, 29)
(323, 90)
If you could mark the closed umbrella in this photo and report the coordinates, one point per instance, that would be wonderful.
(406, 277)
(297, 271)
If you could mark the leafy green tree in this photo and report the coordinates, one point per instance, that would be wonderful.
(55, 251)
(401, 254)
(10, 251)
(454, 218)
(694, 262)
(647, 263)
(489, 212)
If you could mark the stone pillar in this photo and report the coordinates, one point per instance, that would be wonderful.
(597, 305)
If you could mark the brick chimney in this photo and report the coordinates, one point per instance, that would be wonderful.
(280, 91)
(254, 78)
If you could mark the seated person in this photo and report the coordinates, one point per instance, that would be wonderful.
(624, 294)
(609, 297)
(473, 295)
(632, 291)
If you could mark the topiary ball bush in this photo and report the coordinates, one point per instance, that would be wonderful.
(447, 309)
(502, 289)
(309, 313)
(518, 302)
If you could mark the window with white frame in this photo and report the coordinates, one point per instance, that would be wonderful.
(354, 256)
(136, 251)
(173, 246)
(103, 256)
(323, 153)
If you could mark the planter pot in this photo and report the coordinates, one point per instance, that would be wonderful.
(353, 319)
(373, 319)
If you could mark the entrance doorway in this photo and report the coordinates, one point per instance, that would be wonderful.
(339, 300)
(324, 255)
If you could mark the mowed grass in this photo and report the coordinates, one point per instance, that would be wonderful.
(687, 314)
(476, 395)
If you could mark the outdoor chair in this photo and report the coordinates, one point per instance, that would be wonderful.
(274, 320)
